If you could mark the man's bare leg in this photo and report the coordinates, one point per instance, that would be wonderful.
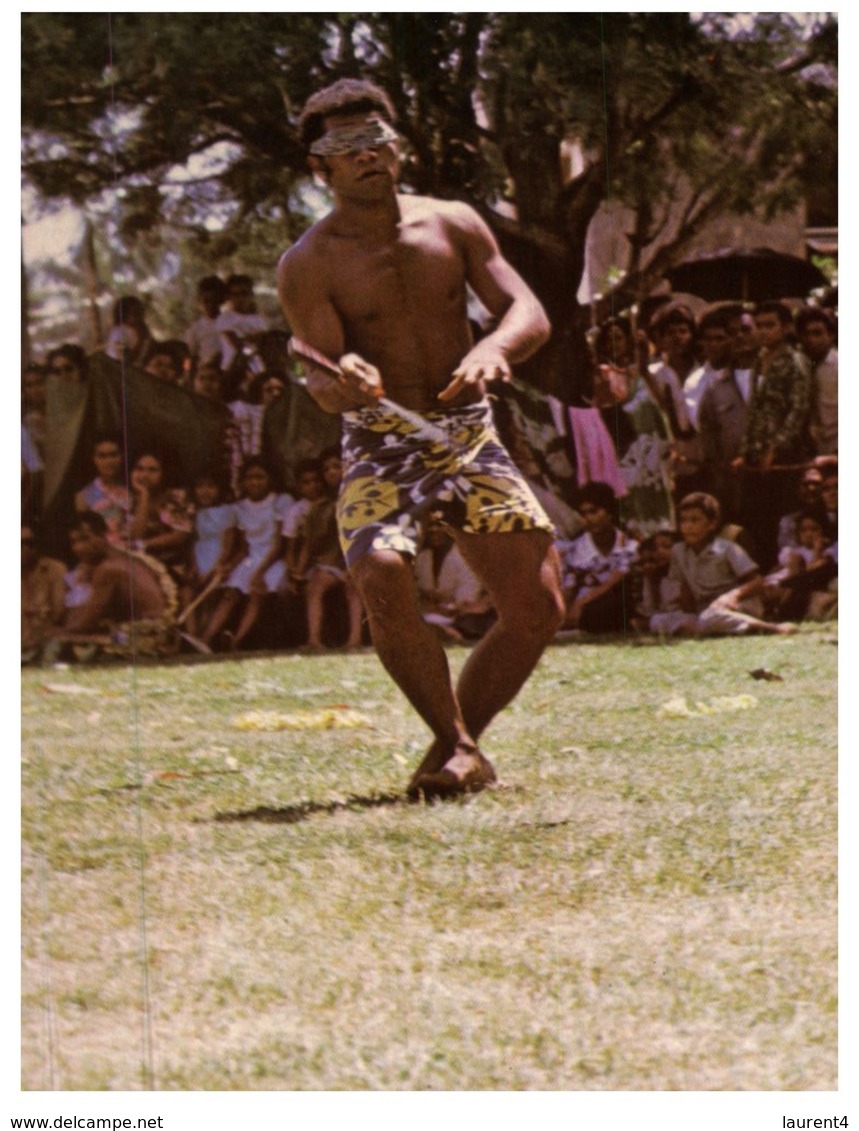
(522, 573)
(415, 658)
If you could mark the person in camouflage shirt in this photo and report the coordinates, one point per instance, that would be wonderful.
(777, 440)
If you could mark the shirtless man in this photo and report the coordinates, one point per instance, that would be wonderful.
(123, 588)
(380, 284)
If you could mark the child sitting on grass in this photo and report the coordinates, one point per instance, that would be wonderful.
(720, 585)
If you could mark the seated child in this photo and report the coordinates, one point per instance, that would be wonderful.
(655, 592)
(596, 565)
(321, 562)
(806, 569)
(451, 597)
(720, 585)
(254, 569)
(213, 519)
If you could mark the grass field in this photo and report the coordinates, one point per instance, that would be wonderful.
(647, 902)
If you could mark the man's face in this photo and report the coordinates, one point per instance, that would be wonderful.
(678, 340)
(770, 330)
(241, 298)
(817, 340)
(717, 346)
(367, 171)
(597, 519)
(744, 340)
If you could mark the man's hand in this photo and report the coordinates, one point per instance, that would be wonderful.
(483, 363)
(341, 386)
(361, 378)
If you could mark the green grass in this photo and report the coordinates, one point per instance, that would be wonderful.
(646, 902)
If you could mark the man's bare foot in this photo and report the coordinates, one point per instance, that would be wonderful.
(468, 771)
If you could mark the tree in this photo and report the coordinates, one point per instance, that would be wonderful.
(191, 118)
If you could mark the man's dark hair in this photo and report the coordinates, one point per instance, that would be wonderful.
(212, 285)
(669, 315)
(774, 306)
(809, 314)
(719, 318)
(600, 495)
(346, 96)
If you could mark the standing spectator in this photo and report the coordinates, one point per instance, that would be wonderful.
(167, 361)
(596, 565)
(203, 337)
(107, 494)
(129, 313)
(777, 440)
(714, 335)
(723, 413)
(68, 362)
(240, 326)
(43, 591)
(640, 429)
(817, 330)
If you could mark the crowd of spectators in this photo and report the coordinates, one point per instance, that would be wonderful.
(721, 516)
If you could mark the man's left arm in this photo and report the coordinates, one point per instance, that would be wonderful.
(522, 323)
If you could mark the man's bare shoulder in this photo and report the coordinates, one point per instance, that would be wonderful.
(455, 212)
(309, 250)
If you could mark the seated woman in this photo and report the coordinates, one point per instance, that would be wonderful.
(107, 494)
(160, 523)
(596, 566)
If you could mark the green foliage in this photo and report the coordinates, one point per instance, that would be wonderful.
(680, 118)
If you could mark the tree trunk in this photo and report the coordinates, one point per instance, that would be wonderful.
(90, 269)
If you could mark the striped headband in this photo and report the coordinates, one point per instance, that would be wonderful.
(368, 134)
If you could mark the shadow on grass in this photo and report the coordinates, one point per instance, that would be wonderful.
(292, 814)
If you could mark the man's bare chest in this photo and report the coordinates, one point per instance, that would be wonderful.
(417, 272)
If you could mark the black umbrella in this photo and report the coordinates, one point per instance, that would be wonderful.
(746, 274)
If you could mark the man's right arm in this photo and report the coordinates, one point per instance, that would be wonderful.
(313, 319)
